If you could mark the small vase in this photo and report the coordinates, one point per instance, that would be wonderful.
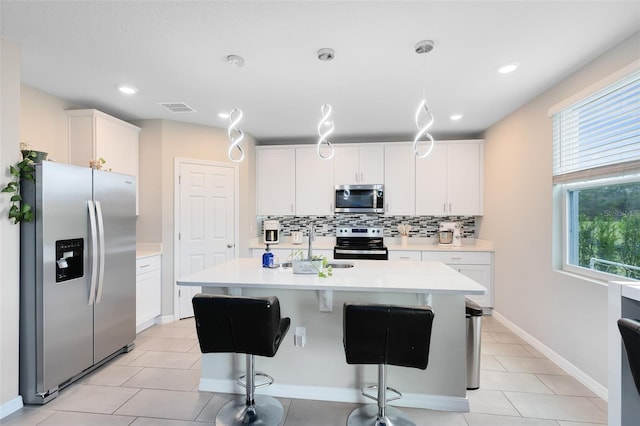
(39, 158)
(404, 240)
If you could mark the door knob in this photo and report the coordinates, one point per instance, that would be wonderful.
(229, 245)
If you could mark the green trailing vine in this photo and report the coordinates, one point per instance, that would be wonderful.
(20, 210)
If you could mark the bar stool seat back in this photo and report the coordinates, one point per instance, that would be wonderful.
(630, 332)
(232, 324)
(386, 334)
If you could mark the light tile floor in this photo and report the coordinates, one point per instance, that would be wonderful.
(157, 385)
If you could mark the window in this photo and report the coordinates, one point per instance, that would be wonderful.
(596, 166)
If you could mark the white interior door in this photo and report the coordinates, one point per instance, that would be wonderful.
(207, 222)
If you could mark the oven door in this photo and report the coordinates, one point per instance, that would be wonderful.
(364, 253)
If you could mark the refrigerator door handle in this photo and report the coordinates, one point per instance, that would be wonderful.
(101, 251)
(94, 251)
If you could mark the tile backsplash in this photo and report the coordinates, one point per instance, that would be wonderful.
(421, 226)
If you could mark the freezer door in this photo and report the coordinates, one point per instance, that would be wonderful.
(115, 304)
(64, 317)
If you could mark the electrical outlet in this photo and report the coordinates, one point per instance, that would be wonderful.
(300, 337)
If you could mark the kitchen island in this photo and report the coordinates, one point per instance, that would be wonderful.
(319, 370)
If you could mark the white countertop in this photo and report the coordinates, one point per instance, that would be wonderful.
(366, 275)
(148, 249)
(393, 244)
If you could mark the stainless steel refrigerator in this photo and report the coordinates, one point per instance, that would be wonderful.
(77, 275)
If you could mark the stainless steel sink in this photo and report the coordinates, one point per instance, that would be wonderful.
(340, 265)
(332, 264)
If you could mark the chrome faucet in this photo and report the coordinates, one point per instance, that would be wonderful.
(312, 237)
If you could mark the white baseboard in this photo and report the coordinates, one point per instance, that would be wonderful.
(326, 393)
(164, 319)
(561, 362)
(10, 407)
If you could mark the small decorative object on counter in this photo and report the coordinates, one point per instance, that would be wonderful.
(267, 258)
(316, 265)
(404, 230)
(98, 164)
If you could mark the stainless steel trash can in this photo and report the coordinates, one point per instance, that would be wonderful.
(474, 334)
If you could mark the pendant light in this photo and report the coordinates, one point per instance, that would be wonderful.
(235, 135)
(424, 119)
(235, 116)
(325, 126)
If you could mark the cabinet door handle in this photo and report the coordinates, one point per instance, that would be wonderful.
(361, 177)
(145, 266)
(456, 258)
(449, 207)
(356, 176)
(291, 208)
(444, 207)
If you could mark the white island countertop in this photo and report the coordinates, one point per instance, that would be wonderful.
(366, 275)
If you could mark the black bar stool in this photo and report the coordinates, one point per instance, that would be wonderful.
(385, 335)
(246, 325)
(630, 332)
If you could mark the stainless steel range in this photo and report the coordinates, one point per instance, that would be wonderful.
(360, 243)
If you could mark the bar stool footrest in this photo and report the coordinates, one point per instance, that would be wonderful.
(242, 380)
(397, 395)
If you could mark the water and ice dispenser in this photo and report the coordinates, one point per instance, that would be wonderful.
(69, 259)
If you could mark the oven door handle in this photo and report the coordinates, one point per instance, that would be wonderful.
(350, 251)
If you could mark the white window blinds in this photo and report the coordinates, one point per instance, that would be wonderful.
(599, 135)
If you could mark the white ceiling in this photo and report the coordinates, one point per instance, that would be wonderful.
(175, 51)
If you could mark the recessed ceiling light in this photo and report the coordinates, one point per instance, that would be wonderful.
(508, 68)
(456, 117)
(223, 115)
(127, 90)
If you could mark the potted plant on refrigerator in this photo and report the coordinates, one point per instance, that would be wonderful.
(20, 210)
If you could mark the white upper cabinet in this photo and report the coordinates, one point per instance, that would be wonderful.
(314, 183)
(450, 180)
(94, 135)
(399, 179)
(275, 181)
(359, 164)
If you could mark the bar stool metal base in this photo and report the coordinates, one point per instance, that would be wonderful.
(266, 411)
(368, 416)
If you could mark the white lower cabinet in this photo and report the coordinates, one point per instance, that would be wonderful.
(476, 265)
(148, 291)
(405, 255)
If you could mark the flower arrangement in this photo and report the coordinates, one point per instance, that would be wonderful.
(317, 264)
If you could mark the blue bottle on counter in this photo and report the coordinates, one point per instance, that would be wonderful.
(267, 259)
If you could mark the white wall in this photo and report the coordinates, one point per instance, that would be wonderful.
(44, 124)
(565, 313)
(9, 233)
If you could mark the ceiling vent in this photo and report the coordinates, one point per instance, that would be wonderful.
(176, 107)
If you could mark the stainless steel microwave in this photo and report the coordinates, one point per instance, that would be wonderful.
(359, 199)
